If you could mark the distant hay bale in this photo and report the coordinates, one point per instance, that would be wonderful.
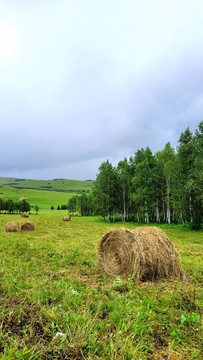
(145, 252)
(24, 215)
(66, 218)
(27, 226)
(12, 226)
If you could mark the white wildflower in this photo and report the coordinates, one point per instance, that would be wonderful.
(58, 334)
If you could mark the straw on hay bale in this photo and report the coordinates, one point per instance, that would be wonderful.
(12, 226)
(25, 215)
(66, 218)
(27, 226)
(145, 252)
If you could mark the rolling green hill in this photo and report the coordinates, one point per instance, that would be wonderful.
(59, 185)
(44, 199)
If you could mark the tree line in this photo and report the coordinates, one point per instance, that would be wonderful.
(163, 187)
(11, 206)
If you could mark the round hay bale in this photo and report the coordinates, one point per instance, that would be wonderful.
(66, 218)
(24, 215)
(145, 252)
(27, 226)
(12, 226)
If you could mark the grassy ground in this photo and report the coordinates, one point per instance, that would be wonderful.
(54, 185)
(55, 305)
(44, 199)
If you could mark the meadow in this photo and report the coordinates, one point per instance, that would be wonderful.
(43, 199)
(64, 185)
(54, 304)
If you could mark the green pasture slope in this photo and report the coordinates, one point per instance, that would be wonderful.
(54, 304)
(64, 185)
(44, 199)
(44, 193)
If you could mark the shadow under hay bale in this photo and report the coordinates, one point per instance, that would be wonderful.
(27, 226)
(24, 215)
(145, 252)
(12, 226)
(66, 218)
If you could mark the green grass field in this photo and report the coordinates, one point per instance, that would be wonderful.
(54, 304)
(44, 199)
(64, 185)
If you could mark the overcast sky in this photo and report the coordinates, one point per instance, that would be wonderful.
(83, 81)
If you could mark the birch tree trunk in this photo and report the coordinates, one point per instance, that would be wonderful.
(146, 214)
(157, 213)
(124, 205)
(168, 210)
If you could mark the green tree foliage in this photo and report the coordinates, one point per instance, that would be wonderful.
(185, 161)
(36, 209)
(190, 180)
(2, 206)
(196, 180)
(144, 184)
(73, 204)
(24, 206)
(86, 204)
(64, 207)
(105, 190)
(83, 204)
(165, 187)
(10, 206)
(124, 185)
(165, 182)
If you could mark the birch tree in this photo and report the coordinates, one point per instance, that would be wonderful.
(106, 190)
(166, 159)
(124, 181)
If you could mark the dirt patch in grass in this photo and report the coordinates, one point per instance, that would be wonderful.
(23, 198)
(165, 355)
(20, 317)
(69, 352)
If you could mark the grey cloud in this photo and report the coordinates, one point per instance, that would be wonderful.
(118, 129)
(91, 84)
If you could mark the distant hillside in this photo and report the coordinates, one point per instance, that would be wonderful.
(44, 199)
(60, 185)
